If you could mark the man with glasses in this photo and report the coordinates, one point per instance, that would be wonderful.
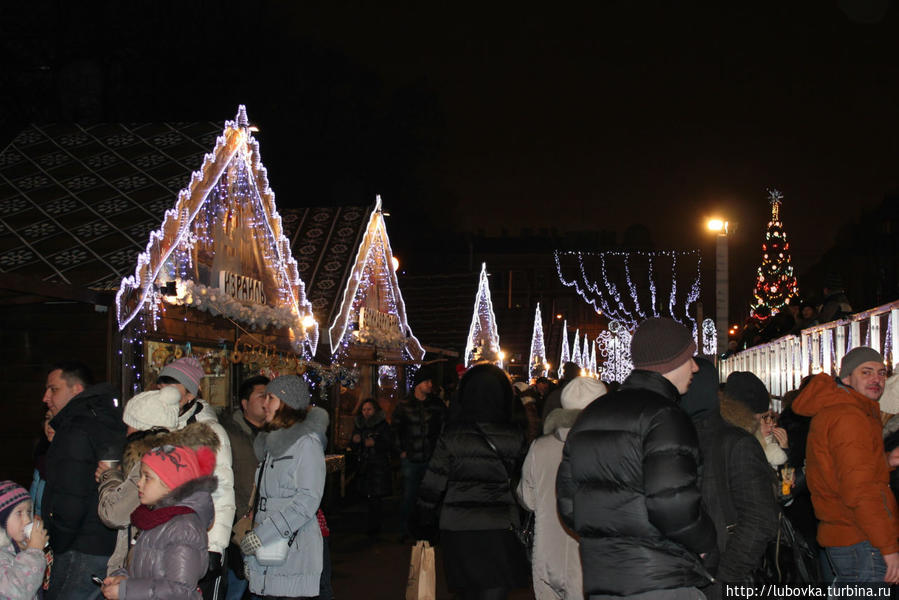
(848, 472)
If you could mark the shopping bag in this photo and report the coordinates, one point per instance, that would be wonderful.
(422, 583)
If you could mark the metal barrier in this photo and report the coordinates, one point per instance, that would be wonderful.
(782, 363)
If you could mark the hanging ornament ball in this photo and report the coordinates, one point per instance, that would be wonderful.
(179, 352)
(614, 326)
(236, 356)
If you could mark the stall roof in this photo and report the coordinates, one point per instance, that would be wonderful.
(78, 202)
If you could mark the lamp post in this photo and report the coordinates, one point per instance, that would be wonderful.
(719, 226)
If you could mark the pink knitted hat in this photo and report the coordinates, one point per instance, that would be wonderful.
(187, 371)
(11, 495)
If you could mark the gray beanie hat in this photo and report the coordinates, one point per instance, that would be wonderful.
(857, 356)
(661, 345)
(291, 390)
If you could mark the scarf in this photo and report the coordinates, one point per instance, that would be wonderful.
(146, 518)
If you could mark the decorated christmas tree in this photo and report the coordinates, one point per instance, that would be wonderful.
(537, 360)
(483, 338)
(576, 348)
(776, 283)
(566, 357)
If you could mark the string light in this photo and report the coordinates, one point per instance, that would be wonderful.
(709, 338)
(483, 338)
(537, 359)
(607, 297)
(615, 348)
(576, 349)
(566, 357)
(374, 266)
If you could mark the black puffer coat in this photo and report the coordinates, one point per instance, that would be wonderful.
(88, 428)
(417, 425)
(374, 476)
(628, 485)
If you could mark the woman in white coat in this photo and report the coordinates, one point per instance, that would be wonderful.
(291, 451)
(556, 563)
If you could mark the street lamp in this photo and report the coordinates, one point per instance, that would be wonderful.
(719, 227)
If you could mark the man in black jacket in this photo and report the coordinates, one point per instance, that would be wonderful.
(628, 482)
(88, 423)
(417, 423)
(737, 482)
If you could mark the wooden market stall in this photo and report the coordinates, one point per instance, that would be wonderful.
(370, 333)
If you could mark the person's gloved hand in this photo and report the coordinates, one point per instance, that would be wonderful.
(250, 544)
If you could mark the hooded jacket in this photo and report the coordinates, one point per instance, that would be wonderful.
(556, 563)
(628, 485)
(846, 469)
(169, 559)
(290, 491)
(374, 477)
(87, 429)
(118, 491)
(243, 463)
(21, 571)
(223, 496)
(737, 483)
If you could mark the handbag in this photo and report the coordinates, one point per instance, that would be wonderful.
(788, 559)
(245, 524)
(274, 553)
(524, 531)
(422, 582)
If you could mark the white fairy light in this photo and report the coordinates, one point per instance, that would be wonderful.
(566, 356)
(576, 349)
(483, 338)
(615, 348)
(537, 358)
(709, 338)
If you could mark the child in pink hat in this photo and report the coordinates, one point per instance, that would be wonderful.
(22, 541)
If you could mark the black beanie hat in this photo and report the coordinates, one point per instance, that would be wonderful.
(422, 374)
(661, 345)
(747, 389)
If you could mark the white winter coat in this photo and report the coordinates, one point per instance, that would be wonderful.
(556, 563)
(223, 496)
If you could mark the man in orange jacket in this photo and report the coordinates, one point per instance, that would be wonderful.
(848, 472)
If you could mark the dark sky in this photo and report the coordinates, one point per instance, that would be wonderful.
(594, 116)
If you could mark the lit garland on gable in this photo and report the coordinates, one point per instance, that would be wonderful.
(537, 360)
(483, 338)
(373, 271)
(230, 193)
(566, 357)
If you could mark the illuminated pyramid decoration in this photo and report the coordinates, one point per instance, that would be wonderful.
(372, 309)
(222, 249)
(566, 357)
(483, 338)
(576, 348)
(537, 360)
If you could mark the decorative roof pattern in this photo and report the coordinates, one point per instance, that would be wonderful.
(77, 203)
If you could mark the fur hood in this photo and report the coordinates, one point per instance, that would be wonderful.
(739, 415)
(560, 418)
(279, 441)
(193, 435)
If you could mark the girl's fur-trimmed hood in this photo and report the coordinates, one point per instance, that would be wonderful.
(193, 436)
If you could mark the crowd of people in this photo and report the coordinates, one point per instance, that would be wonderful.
(669, 485)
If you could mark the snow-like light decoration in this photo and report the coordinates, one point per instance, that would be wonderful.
(566, 356)
(483, 338)
(576, 349)
(605, 294)
(374, 271)
(709, 338)
(537, 358)
(230, 190)
(615, 349)
(775, 282)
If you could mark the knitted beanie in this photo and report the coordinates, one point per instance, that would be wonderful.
(422, 374)
(661, 345)
(855, 357)
(187, 371)
(176, 465)
(747, 389)
(157, 408)
(581, 391)
(11, 495)
(291, 390)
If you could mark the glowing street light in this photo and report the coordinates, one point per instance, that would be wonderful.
(720, 227)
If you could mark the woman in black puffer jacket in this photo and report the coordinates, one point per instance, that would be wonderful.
(373, 444)
(473, 467)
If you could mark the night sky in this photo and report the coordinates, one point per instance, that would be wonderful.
(486, 117)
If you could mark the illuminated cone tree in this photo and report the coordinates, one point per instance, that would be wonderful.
(775, 283)
(483, 337)
(537, 360)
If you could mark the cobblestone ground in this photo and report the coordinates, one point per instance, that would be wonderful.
(377, 568)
